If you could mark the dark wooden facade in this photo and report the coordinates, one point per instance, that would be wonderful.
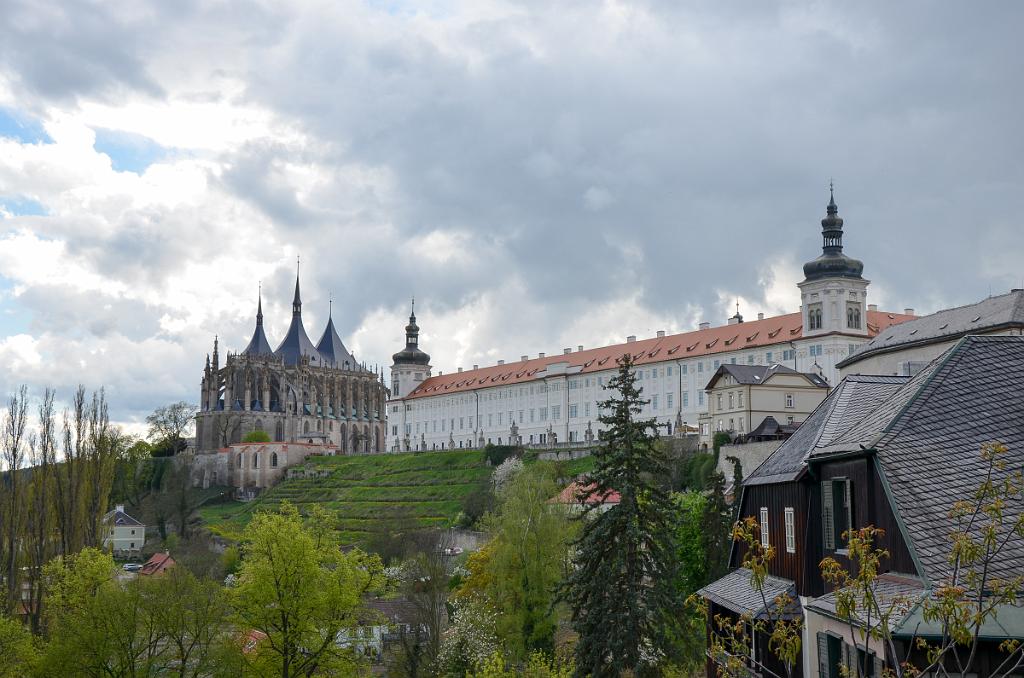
(870, 507)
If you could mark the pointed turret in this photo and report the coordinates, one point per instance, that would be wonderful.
(411, 354)
(332, 350)
(216, 356)
(296, 343)
(258, 345)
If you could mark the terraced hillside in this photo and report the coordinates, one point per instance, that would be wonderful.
(390, 492)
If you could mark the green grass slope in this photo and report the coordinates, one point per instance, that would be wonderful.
(375, 493)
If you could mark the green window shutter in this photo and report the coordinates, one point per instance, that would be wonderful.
(849, 506)
(827, 516)
(823, 671)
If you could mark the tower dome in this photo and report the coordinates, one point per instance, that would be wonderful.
(411, 354)
(832, 263)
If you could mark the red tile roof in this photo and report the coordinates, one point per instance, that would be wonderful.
(752, 334)
(158, 563)
(575, 493)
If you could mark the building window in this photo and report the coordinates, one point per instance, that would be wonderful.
(574, 411)
(700, 367)
(789, 354)
(764, 526)
(255, 461)
(814, 317)
(700, 397)
(853, 316)
(836, 512)
(668, 371)
(740, 398)
(732, 402)
(768, 357)
(686, 399)
(668, 401)
(719, 401)
(273, 459)
(789, 400)
(654, 402)
(685, 369)
(815, 350)
(718, 363)
(790, 530)
(586, 409)
(239, 460)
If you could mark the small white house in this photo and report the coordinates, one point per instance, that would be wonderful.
(125, 535)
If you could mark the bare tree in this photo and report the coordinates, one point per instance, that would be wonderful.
(40, 516)
(171, 423)
(12, 445)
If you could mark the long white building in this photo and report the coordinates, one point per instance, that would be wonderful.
(553, 399)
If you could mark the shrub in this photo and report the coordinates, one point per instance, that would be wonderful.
(256, 436)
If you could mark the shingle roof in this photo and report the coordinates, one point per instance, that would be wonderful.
(851, 400)
(712, 341)
(928, 437)
(121, 519)
(759, 374)
(735, 592)
(988, 315)
(896, 595)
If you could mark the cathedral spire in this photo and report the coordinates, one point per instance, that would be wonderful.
(297, 301)
(259, 305)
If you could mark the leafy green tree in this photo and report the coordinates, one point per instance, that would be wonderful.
(256, 436)
(303, 592)
(622, 590)
(537, 666)
(18, 651)
(171, 423)
(528, 558)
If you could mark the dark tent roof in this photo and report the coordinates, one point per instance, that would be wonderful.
(296, 343)
(258, 345)
(759, 374)
(332, 350)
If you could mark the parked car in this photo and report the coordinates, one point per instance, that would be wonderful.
(131, 567)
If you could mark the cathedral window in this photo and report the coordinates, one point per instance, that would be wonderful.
(273, 459)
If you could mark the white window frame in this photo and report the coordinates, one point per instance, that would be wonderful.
(764, 527)
(790, 401)
(790, 530)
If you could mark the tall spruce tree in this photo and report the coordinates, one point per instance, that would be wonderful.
(624, 603)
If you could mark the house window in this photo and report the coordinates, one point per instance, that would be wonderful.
(731, 401)
(764, 526)
(273, 459)
(789, 400)
(790, 530)
(836, 512)
(853, 315)
(719, 399)
(740, 398)
(814, 317)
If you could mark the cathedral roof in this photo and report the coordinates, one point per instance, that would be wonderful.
(332, 350)
(258, 345)
(296, 343)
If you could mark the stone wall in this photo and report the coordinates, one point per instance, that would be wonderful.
(751, 455)
(251, 465)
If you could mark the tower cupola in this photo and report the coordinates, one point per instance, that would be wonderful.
(832, 263)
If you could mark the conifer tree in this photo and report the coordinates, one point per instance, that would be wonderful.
(621, 591)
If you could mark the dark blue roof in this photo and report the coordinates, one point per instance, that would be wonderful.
(332, 350)
(258, 345)
(296, 342)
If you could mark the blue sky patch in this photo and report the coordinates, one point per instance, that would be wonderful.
(21, 206)
(14, 317)
(128, 152)
(15, 125)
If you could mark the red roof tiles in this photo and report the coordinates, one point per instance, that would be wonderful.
(711, 341)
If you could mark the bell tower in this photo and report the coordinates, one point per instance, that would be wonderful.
(411, 366)
(833, 295)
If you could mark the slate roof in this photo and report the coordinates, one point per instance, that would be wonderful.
(332, 350)
(708, 342)
(988, 315)
(258, 345)
(734, 592)
(119, 518)
(897, 594)
(928, 436)
(848, 403)
(759, 374)
(296, 343)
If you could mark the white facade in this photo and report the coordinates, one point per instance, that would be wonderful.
(554, 400)
(124, 534)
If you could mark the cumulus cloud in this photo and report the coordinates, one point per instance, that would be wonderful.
(538, 176)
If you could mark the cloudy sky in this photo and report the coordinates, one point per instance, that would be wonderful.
(537, 174)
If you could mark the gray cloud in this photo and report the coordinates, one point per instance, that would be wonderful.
(673, 150)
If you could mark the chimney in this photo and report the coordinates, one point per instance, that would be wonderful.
(524, 358)
(734, 320)
(661, 333)
(579, 348)
(760, 316)
(630, 339)
(908, 311)
(872, 307)
(460, 370)
(540, 355)
(119, 507)
(501, 362)
(705, 326)
(566, 351)
(476, 367)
